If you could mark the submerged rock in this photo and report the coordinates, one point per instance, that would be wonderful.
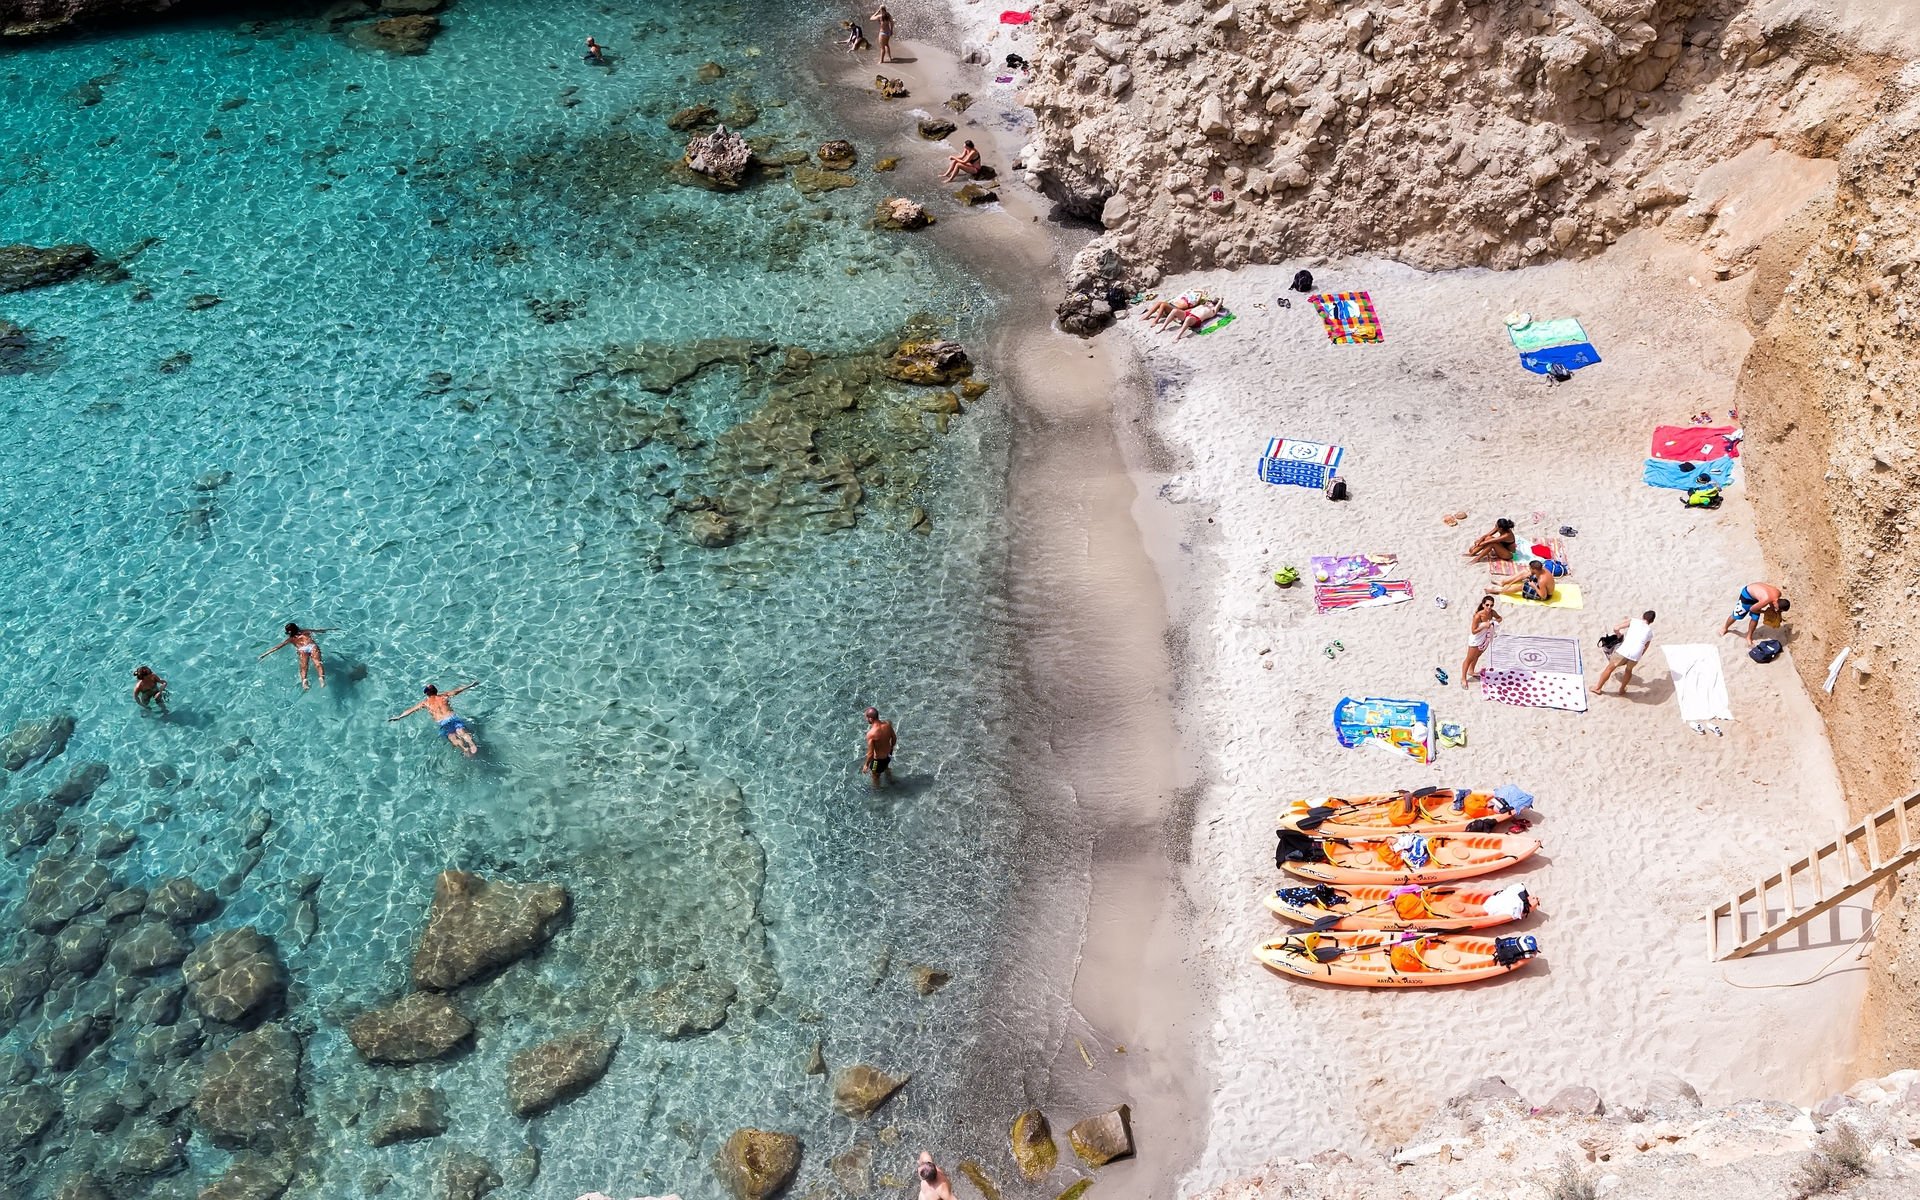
(411, 1117)
(929, 362)
(60, 889)
(38, 741)
(250, 1177)
(1033, 1147)
(23, 267)
(721, 156)
(408, 34)
(755, 1163)
(475, 927)
(25, 826)
(853, 1169)
(250, 1090)
(811, 181)
(710, 529)
(181, 901)
(466, 1176)
(699, 116)
(897, 212)
(79, 785)
(1099, 1140)
(928, 980)
(235, 976)
(147, 948)
(61, 1048)
(539, 1078)
(860, 1089)
(691, 1005)
(417, 1027)
(837, 155)
(25, 1114)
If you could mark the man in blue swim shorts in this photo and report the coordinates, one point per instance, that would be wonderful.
(1756, 600)
(452, 726)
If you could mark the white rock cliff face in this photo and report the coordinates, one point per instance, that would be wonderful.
(1206, 133)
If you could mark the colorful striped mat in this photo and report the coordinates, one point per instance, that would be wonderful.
(1367, 593)
(1349, 317)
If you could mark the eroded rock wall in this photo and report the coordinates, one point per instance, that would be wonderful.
(29, 18)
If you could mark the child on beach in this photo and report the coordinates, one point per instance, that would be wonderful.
(856, 37)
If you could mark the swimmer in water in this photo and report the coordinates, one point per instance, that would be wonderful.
(452, 726)
(301, 640)
(594, 54)
(149, 690)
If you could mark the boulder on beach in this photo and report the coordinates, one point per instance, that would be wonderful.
(755, 1163)
(539, 1078)
(250, 1090)
(860, 1089)
(23, 267)
(890, 89)
(722, 157)
(837, 155)
(935, 128)
(897, 212)
(415, 1028)
(38, 740)
(236, 975)
(1099, 1140)
(475, 926)
(1033, 1147)
(928, 362)
(972, 194)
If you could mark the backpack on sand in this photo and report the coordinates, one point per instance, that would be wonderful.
(1765, 651)
(1303, 281)
(1336, 488)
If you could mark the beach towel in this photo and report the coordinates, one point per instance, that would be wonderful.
(1300, 464)
(1015, 18)
(1695, 443)
(1546, 344)
(1366, 593)
(1403, 725)
(1686, 477)
(1565, 595)
(1534, 672)
(1216, 325)
(1349, 568)
(1503, 571)
(1348, 316)
(1698, 682)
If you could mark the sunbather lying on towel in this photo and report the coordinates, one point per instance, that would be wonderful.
(1536, 584)
(1195, 317)
(1495, 545)
(1161, 310)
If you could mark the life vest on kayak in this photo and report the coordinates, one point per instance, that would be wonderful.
(1405, 810)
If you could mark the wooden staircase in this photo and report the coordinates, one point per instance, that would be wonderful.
(1811, 886)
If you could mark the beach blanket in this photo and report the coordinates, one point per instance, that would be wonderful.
(1698, 682)
(1011, 17)
(1544, 344)
(1216, 325)
(1687, 476)
(1695, 443)
(1534, 672)
(1565, 595)
(1503, 571)
(1348, 316)
(1366, 593)
(1301, 464)
(1349, 568)
(1403, 725)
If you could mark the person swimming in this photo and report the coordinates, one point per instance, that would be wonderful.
(149, 690)
(452, 726)
(594, 54)
(304, 645)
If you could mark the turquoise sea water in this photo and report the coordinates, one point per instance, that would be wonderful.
(375, 430)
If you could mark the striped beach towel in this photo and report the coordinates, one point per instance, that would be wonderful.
(1503, 571)
(1300, 464)
(1348, 316)
(1367, 593)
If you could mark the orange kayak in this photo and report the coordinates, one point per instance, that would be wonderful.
(1374, 860)
(1427, 810)
(1381, 959)
(1373, 906)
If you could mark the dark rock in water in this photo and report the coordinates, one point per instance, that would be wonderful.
(691, 1005)
(127, 902)
(203, 301)
(699, 116)
(15, 1070)
(972, 194)
(79, 785)
(181, 901)
(168, 1043)
(25, 1114)
(755, 1163)
(817, 1059)
(928, 980)
(60, 889)
(164, 775)
(811, 181)
(466, 1176)
(417, 1027)
(147, 948)
(935, 128)
(1099, 1140)
(980, 1180)
(710, 529)
(741, 111)
(929, 363)
(860, 1089)
(404, 7)
(36, 741)
(722, 157)
(343, 11)
(81, 1187)
(25, 826)
(474, 927)
(886, 164)
(525, 1167)
(853, 1169)
(253, 829)
(61, 1048)
(23, 267)
(250, 1090)
(411, 1117)
(156, 1006)
(410, 34)
(1034, 1150)
(235, 976)
(708, 72)
(80, 949)
(213, 480)
(837, 155)
(98, 1110)
(150, 1150)
(896, 212)
(174, 363)
(250, 1177)
(558, 1070)
(24, 981)
(303, 921)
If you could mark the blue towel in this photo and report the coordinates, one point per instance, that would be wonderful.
(1517, 800)
(1573, 357)
(1660, 473)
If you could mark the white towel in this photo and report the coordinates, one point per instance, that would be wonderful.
(1698, 683)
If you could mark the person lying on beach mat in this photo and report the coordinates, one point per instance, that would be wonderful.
(1196, 318)
(1495, 545)
(1536, 584)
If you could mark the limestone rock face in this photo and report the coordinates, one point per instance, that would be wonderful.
(539, 1078)
(250, 1090)
(475, 926)
(23, 267)
(721, 156)
(756, 1164)
(1033, 1146)
(417, 1027)
(1099, 1140)
(236, 975)
(929, 363)
(27, 18)
(860, 1089)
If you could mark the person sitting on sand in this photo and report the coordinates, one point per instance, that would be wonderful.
(1495, 545)
(440, 708)
(967, 160)
(149, 690)
(1486, 623)
(934, 1184)
(1536, 584)
(856, 37)
(1756, 600)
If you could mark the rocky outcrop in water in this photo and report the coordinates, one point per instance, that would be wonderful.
(929, 363)
(837, 155)
(1034, 1150)
(235, 976)
(721, 157)
(409, 1117)
(23, 267)
(32, 18)
(475, 927)
(899, 213)
(545, 1075)
(37, 741)
(415, 1028)
(1099, 1140)
(755, 1164)
(250, 1091)
(860, 1089)
(411, 33)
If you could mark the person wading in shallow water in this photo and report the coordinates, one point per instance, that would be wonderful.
(440, 708)
(594, 54)
(149, 690)
(880, 743)
(934, 1184)
(301, 640)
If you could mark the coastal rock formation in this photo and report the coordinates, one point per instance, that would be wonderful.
(23, 267)
(1099, 1140)
(860, 1089)
(693, 1004)
(30, 18)
(475, 927)
(148, 948)
(411, 1117)
(411, 33)
(181, 901)
(79, 785)
(837, 155)
(755, 1164)
(929, 363)
(235, 976)
(250, 1090)
(415, 1028)
(539, 1078)
(465, 1175)
(899, 213)
(1033, 1146)
(32, 742)
(722, 157)
(811, 181)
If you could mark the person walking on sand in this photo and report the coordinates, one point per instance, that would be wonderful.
(934, 1184)
(1636, 633)
(440, 707)
(149, 690)
(1486, 623)
(879, 754)
(883, 27)
(1756, 600)
(301, 639)
(967, 160)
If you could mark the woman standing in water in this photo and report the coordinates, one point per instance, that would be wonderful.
(306, 647)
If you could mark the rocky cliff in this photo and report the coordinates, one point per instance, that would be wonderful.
(1210, 133)
(28, 18)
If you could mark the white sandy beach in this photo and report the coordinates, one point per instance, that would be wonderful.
(1646, 824)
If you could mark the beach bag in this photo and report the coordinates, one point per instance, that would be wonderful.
(1510, 950)
(1554, 567)
(1297, 847)
(1336, 487)
(1303, 281)
(1765, 651)
(1707, 497)
(1482, 825)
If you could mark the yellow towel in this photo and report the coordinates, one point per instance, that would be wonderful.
(1565, 595)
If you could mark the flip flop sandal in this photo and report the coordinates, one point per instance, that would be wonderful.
(1441, 676)
(1569, 531)
(1327, 650)
(1716, 731)
(1339, 647)
(1697, 727)
(1439, 601)
(1453, 518)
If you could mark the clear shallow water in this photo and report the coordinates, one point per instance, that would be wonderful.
(420, 461)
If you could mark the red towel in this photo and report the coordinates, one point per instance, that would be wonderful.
(1694, 443)
(1015, 18)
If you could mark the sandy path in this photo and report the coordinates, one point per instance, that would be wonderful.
(1646, 823)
